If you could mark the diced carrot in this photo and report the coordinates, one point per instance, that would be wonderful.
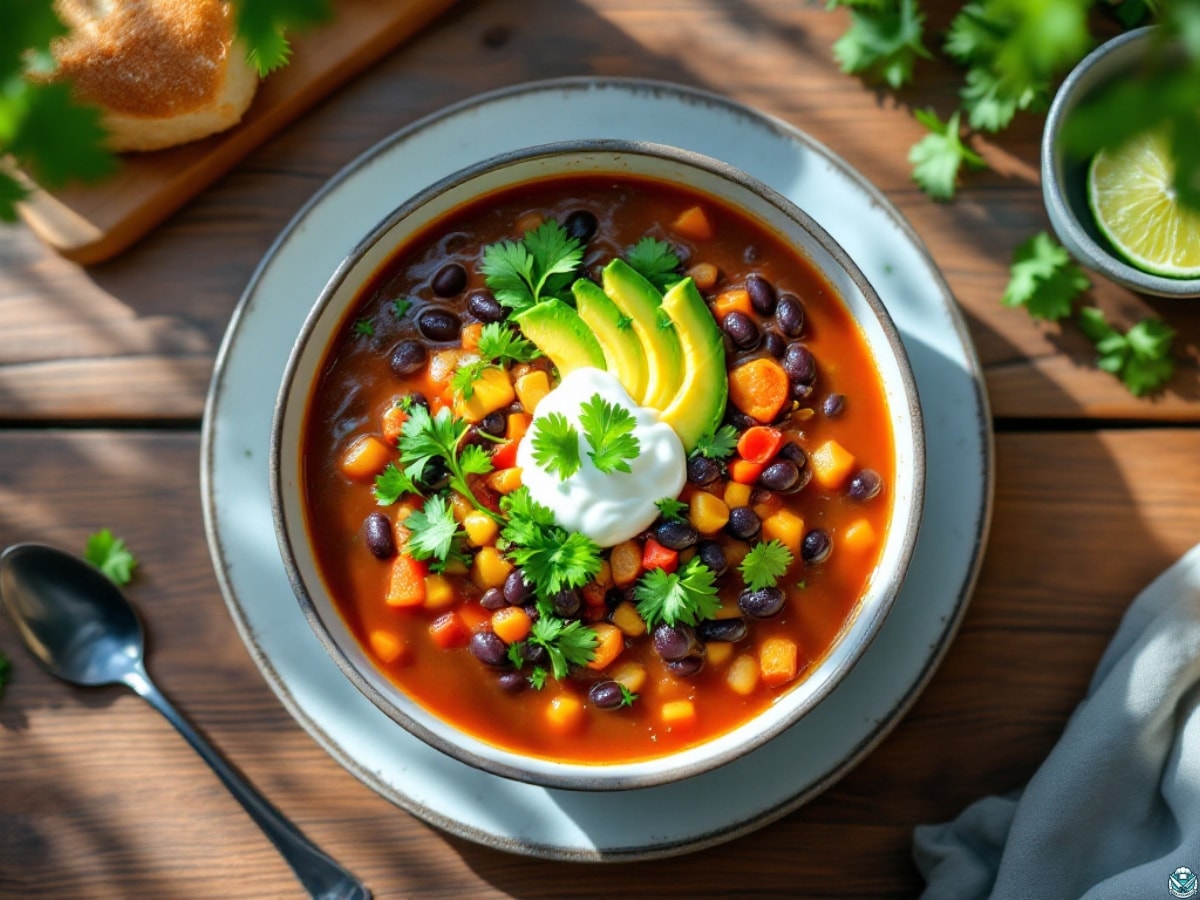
(708, 514)
(610, 641)
(678, 715)
(565, 714)
(471, 333)
(778, 659)
(732, 300)
(460, 506)
(626, 562)
(831, 464)
(448, 630)
(505, 455)
(743, 471)
(387, 646)
(656, 556)
(604, 576)
(406, 586)
(704, 274)
(859, 537)
(511, 624)
(365, 457)
(759, 388)
(694, 223)
(392, 423)
(759, 443)
(474, 616)
(786, 527)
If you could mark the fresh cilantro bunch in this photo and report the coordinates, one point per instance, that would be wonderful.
(685, 597)
(551, 558)
(1141, 357)
(108, 553)
(569, 644)
(1044, 279)
(540, 265)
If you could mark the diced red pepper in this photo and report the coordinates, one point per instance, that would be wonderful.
(759, 444)
(656, 556)
(505, 455)
(743, 471)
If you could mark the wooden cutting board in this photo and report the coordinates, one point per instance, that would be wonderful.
(90, 223)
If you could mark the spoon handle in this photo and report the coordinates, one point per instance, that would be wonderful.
(323, 878)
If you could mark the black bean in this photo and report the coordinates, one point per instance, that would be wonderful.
(567, 603)
(802, 481)
(780, 475)
(517, 591)
(817, 546)
(790, 315)
(762, 294)
(834, 405)
(513, 682)
(532, 653)
(802, 392)
(435, 475)
(712, 555)
(741, 330)
(775, 344)
(686, 667)
(408, 357)
(738, 419)
(674, 641)
(606, 695)
(864, 485)
(743, 523)
(615, 596)
(702, 470)
(493, 598)
(730, 630)
(581, 225)
(489, 648)
(377, 532)
(494, 423)
(677, 535)
(799, 363)
(416, 398)
(449, 280)
(439, 325)
(795, 453)
(763, 603)
(484, 306)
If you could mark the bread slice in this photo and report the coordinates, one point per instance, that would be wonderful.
(164, 72)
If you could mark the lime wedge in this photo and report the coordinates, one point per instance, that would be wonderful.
(1130, 193)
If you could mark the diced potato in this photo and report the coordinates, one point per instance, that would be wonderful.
(743, 674)
(387, 646)
(729, 609)
(735, 552)
(778, 658)
(489, 569)
(717, 653)
(737, 494)
(439, 592)
(460, 506)
(678, 715)
(831, 464)
(492, 390)
(859, 537)
(504, 481)
(630, 673)
(481, 528)
(531, 388)
(455, 567)
(565, 714)
(786, 527)
(704, 274)
(708, 514)
(365, 457)
(626, 617)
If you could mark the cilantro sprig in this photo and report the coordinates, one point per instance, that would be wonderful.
(498, 346)
(391, 484)
(108, 553)
(541, 265)
(764, 564)
(719, 444)
(556, 445)
(569, 644)
(425, 437)
(937, 157)
(684, 597)
(1141, 357)
(671, 509)
(607, 428)
(1044, 279)
(550, 557)
(433, 531)
(655, 261)
(884, 39)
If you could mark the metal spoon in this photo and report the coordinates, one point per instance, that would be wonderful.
(83, 629)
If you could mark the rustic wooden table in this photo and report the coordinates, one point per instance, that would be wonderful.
(103, 373)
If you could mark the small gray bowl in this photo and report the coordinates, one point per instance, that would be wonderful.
(1064, 177)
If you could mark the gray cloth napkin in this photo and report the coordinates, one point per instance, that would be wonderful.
(1114, 811)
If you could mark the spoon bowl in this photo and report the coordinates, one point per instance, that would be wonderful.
(82, 629)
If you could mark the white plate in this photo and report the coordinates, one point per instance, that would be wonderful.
(657, 821)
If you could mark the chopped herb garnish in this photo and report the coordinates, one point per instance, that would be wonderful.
(364, 328)
(542, 264)
(718, 444)
(108, 553)
(400, 306)
(550, 558)
(1043, 278)
(392, 483)
(556, 445)
(462, 382)
(503, 345)
(627, 696)
(432, 530)
(938, 156)
(656, 261)
(1141, 357)
(537, 678)
(687, 596)
(424, 437)
(607, 428)
(569, 644)
(671, 509)
(763, 565)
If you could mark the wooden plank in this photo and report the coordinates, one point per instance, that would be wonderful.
(99, 797)
(90, 223)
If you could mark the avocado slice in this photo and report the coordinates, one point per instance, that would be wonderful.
(614, 330)
(561, 335)
(641, 301)
(700, 404)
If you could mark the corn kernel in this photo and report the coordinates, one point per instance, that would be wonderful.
(491, 391)
(630, 673)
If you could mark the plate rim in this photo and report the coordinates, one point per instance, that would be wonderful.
(692, 96)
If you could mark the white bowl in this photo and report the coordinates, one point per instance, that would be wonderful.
(691, 171)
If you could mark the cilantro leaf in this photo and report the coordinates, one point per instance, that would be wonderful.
(502, 345)
(687, 596)
(474, 460)
(1044, 279)
(540, 265)
(462, 382)
(671, 509)
(568, 644)
(937, 157)
(28, 25)
(551, 558)
(1141, 357)
(607, 428)
(400, 306)
(537, 678)
(627, 696)
(108, 553)
(423, 437)
(11, 193)
(52, 136)
(763, 565)
(718, 444)
(508, 270)
(261, 24)
(432, 530)
(525, 518)
(972, 36)
(883, 41)
(364, 328)
(655, 261)
(556, 445)
(991, 102)
(392, 483)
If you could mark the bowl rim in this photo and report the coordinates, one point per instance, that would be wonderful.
(603, 776)
(1074, 89)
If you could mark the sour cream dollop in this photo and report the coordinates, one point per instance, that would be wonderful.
(607, 507)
